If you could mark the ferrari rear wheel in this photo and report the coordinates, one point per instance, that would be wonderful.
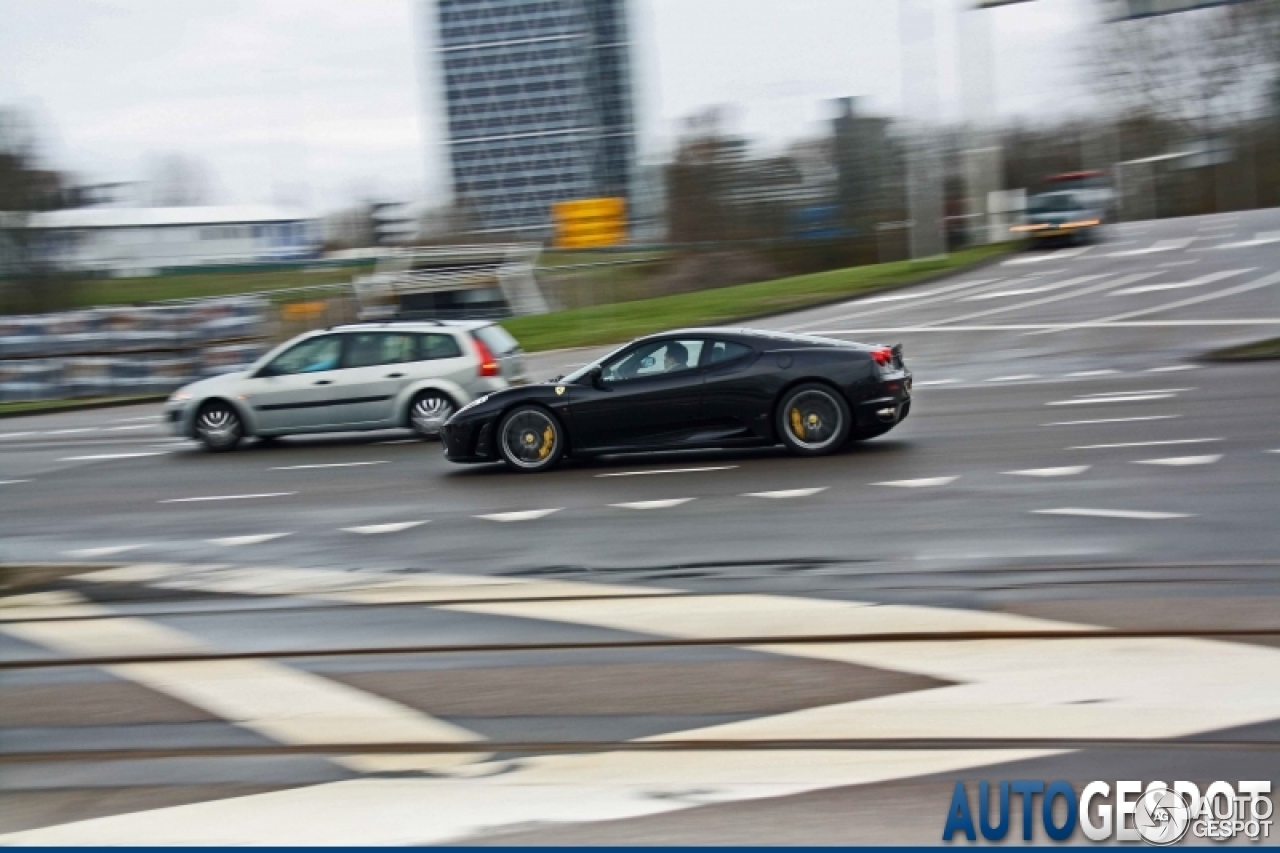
(531, 439)
(813, 420)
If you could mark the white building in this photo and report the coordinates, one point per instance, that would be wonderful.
(128, 241)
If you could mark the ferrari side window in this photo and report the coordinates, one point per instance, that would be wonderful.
(655, 359)
(722, 351)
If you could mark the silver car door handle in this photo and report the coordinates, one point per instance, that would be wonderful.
(324, 381)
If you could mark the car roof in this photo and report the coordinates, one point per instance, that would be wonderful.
(411, 325)
(783, 339)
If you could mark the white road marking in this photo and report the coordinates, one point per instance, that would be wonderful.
(253, 539)
(106, 551)
(143, 418)
(70, 431)
(1113, 513)
(1065, 471)
(393, 527)
(1017, 377)
(227, 497)
(786, 493)
(936, 382)
(522, 515)
(328, 465)
(1083, 374)
(1143, 391)
(1169, 264)
(15, 435)
(130, 427)
(1160, 246)
(1106, 284)
(1265, 281)
(1056, 255)
(400, 441)
(895, 297)
(1132, 398)
(1145, 443)
(942, 294)
(98, 456)
(10, 482)
(1181, 285)
(1179, 461)
(668, 471)
(658, 504)
(1173, 368)
(918, 484)
(1046, 328)
(1261, 239)
(1113, 420)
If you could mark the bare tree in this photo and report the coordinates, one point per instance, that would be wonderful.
(178, 181)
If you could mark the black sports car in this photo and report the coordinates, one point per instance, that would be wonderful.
(692, 388)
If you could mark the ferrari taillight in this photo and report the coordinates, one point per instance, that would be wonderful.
(882, 356)
(488, 364)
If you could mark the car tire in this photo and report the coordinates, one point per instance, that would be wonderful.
(531, 439)
(428, 412)
(813, 419)
(218, 426)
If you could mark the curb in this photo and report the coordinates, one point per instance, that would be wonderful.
(86, 406)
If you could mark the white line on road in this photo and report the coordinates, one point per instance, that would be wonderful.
(1160, 246)
(1173, 368)
(1113, 420)
(400, 441)
(70, 431)
(15, 435)
(143, 418)
(1084, 374)
(936, 382)
(1112, 513)
(130, 427)
(658, 504)
(393, 527)
(1133, 398)
(1065, 471)
(1046, 328)
(918, 484)
(669, 471)
(1261, 239)
(328, 465)
(1180, 285)
(786, 493)
(523, 515)
(227, 497)
(8, 482)
(1178, 461)
(106, 551)
(1143, 391)
(1169, 264)
(254, 539)
(1017, 377)
(98, 456)
(1144, 443)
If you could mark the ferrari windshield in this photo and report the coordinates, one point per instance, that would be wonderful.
(586, 368)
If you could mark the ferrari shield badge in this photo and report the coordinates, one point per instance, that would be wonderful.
(559, 389)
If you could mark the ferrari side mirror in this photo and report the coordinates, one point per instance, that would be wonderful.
(596, 374)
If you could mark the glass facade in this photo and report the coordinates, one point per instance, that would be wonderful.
(539, 102)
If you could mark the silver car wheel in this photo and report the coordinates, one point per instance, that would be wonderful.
(429, 413)
(218, 426)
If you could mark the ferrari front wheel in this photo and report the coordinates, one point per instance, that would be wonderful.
(813, 420)
(531, 439)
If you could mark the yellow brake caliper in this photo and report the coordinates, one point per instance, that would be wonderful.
(797, 425)
(548, 439)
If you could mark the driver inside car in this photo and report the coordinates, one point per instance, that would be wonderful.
(676, 358)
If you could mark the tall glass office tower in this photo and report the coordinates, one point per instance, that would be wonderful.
(539, 101)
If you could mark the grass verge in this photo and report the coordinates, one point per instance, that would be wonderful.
(35, 407)
(1256, 351)
(605, 324)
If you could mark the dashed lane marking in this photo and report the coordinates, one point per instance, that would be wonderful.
(1181, 285)
(1017, 377)
(668, 471)
(1113, 420)
(1144, 515)
(1262, 238)
(1144, 443)
(12, 482)
(105, 551)
(1125, 398)
(253, 539)
(936, 382)
(786, 493)
(15, 435)
(101, 456)
(658, 504)
(227, 497)
(130, 427)
(922, 483)
(1160, 246)
(1085, 374)
(1065, 471)
(1178, 461)
(522, 515)
(1143, 391)
(1173, 368)
(327, 465)
(393, 527)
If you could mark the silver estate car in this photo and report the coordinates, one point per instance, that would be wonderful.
(359, 377)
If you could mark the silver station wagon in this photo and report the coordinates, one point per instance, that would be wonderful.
(359, 377)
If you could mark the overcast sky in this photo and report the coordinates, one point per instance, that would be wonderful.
(319, 102)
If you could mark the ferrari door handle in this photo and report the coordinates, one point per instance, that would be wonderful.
(324, 381)
(395, 375)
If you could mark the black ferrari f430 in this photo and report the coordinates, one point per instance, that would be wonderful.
(692, 388)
